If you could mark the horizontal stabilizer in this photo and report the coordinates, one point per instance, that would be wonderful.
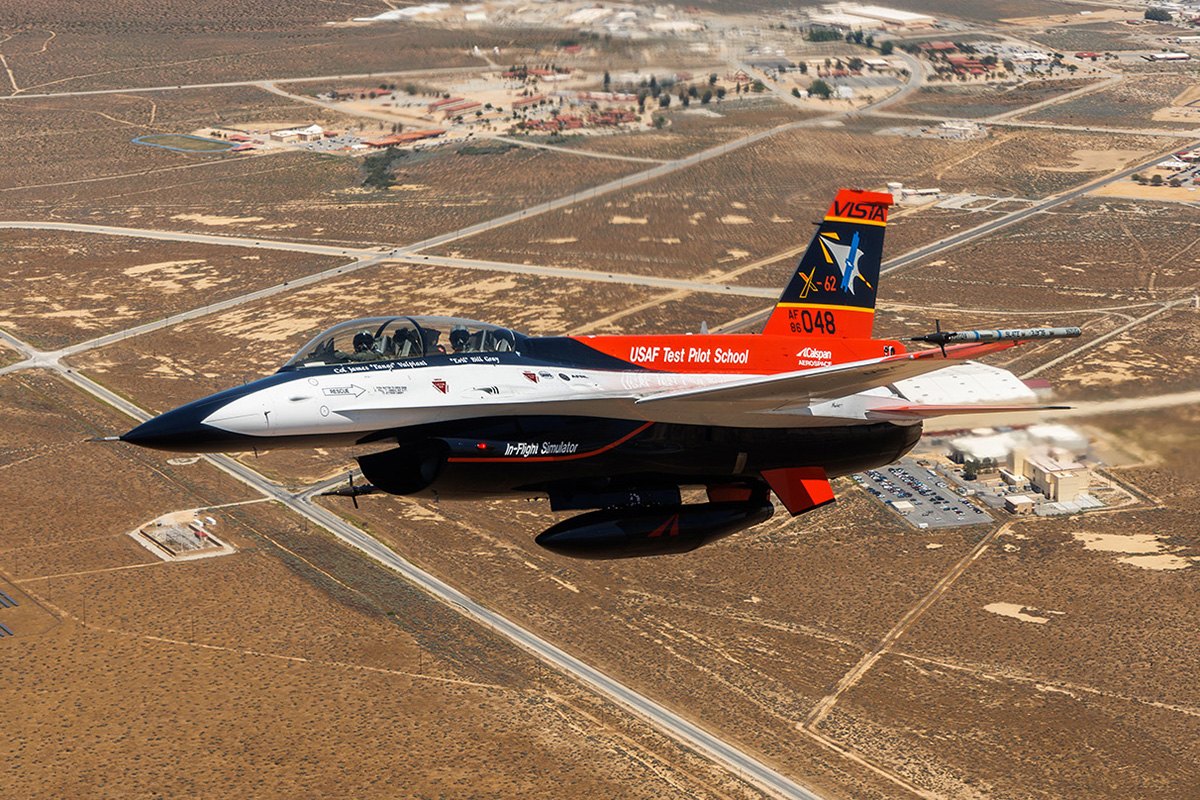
(912, 411)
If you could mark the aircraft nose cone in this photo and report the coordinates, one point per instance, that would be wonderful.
(179, 431)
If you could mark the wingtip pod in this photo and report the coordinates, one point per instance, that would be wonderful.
(832, 292)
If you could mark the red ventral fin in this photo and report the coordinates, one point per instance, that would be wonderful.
(800, 488)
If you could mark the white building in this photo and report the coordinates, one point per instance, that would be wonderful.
(310, 134)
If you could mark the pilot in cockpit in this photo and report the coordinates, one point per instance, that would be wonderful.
(458, 339)
(364, 348)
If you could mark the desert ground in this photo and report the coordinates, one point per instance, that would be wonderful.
(844, 650)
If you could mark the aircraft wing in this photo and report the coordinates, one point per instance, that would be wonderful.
(811, 386)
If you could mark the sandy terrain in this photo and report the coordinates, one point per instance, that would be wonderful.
(329, 652)
(63, 288)
(1059, 665)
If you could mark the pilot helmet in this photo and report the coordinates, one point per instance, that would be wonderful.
(363, 340)
(458, 337)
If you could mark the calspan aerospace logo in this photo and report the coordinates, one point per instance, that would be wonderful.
(844, 257)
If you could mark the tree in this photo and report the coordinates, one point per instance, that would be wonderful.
(795, 92)
(821, 89)
(1175, 182)
(706, 98)
(886, 48)
(1137, 176)
(803, 67)
(1158, 14)
(1156, 179)
(664, 100)
(720, 92)
(758, 87)
(378, 168)
(712, 79)
(855, 64)
(823, 35)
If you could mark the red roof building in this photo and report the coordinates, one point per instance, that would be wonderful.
(460, 108)
(521, 102)
(408, 137)
(446, 101)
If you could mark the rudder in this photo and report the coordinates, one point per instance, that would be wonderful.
(833, 289)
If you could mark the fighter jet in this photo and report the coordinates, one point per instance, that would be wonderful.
(457, 409)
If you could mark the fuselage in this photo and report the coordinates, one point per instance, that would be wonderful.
(541, 414)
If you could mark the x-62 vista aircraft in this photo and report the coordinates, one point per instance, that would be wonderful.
(459, 409)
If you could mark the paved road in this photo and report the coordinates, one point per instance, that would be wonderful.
(22, 95)
(575, 151)
(199, 238)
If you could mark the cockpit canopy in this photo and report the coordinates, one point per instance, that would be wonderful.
(398, 338)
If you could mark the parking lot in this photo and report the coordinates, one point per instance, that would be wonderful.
(923, 497)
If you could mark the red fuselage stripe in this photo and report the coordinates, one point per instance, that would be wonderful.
(502, 459)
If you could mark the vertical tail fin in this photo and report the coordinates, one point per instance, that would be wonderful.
(833, 290)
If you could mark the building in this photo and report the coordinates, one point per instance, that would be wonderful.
(852, 16)
(890, 16)
(1059, 437)
(993, 449)
(458, 109)
(408, 137)
(439, 105)
(1018, 504)
(960, 129)
(522, 102)
(1167, 57)
(312, 133)
(1059, 480)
